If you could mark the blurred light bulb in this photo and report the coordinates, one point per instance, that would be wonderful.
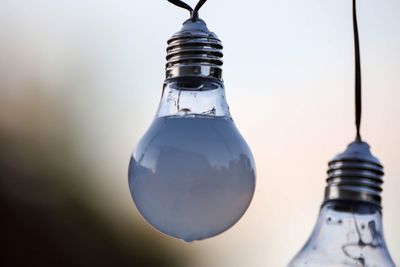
(349, 229)
(192, 175)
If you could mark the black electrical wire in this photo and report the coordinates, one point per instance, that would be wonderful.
(358, 87)
(197, 8)
(194, 13)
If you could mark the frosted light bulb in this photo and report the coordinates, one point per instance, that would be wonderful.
(349, 228)
(192, 175)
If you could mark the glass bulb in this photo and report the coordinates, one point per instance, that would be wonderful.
(346, 234)
(349, 228)
(192, 175)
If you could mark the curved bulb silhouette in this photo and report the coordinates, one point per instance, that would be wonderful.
(346, 234)
(192, 175)
(349, 229)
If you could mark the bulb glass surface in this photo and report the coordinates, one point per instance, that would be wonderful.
(346, 234)
(192, 175)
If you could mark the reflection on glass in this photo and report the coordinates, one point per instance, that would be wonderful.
(192, 176)
(346, 234)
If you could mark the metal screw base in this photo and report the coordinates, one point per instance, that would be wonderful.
(194, 51)
(355, 175)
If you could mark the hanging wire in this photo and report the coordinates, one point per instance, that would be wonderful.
(194, 13)
(358, 87)
(197, 8)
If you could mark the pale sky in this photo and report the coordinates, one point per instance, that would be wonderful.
(289, 82)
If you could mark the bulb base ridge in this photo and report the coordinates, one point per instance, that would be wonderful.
(355, 175)
(194, 51)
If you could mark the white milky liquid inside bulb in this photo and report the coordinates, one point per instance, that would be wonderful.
(192, 177)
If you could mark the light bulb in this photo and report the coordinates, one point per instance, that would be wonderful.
(349, 228)
(192, 175)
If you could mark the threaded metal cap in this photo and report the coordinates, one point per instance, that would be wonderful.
(355, 175)
(194, 51)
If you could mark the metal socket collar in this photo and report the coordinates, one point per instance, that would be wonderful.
(194, 51)
(355, 175)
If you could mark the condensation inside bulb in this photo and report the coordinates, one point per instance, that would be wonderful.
(192, 177)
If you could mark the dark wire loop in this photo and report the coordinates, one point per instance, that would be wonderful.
(194, 13)
(358, 87)
(197, 8)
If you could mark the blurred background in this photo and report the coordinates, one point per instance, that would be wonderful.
(80, 82)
